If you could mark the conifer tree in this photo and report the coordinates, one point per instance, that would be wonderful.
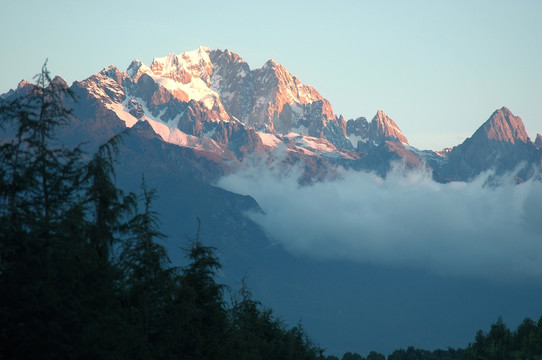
(41, 216)
(148, 284)
(200, 303)
(108, 204)
(56, 301)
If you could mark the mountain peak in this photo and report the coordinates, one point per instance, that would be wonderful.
(136, 69)
(23, 84)
(184, 66)
(230, 56)
(57, 80)
(504, 126)
(271, 64)
(380, 114)
(383, 127)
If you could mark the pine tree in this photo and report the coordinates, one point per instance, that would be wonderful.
(149, 281)
(56, 299)
(108, 204)
(200, 305)
(41, 218)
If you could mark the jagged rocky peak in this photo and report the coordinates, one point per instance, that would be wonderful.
(357, 131)
(269, 98)
(230, 56)
(232, 80)
(186, 77)
(500, 144)
(136, 69)
(503, 126)
(357, 127)
(57, 80)
(113, 72)
(185, 66)
(538, 141)
(274, 87)
(23, 84)
(289, 88)
(382, 127)
(107, 85)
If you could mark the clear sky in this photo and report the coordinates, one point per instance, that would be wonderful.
(438, 68)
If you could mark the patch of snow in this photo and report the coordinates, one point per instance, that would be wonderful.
(316, 145)
(195, 56)
(196, 89)
(333, 155)
(435, 156)
(215, 81)
(196, 62)
(270, 140)
(297, 109)
(124, 115)
(136, 69)
(159, 128)
(209, 133)
(173, 123)
(300, 129)
(355, 138)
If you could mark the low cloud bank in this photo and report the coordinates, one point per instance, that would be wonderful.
(406, 219)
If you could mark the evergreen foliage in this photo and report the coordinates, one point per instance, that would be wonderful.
(502, 343)
(66, 294)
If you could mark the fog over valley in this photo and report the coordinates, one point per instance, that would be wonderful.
(473, 229)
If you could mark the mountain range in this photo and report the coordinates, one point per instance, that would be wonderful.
(212, 102)
(199, 115)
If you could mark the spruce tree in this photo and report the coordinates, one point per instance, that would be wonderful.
(148, 281)
(200, 305)
(57, 300)
(41, 218)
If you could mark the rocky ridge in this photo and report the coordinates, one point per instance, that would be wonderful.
(212, 102)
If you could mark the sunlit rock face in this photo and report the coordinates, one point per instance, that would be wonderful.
(503, 126)
(382, 127)
(501, 144)
(211, 101)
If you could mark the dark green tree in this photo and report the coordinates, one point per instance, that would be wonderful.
(200, 305)
(351, 356)
(148, 281)
(524, 340)
(57, 301)
(109, 206)
(256, 334)
(502, 343)
(41, 219)
(498, 340)
(373, 355)
(251, 329)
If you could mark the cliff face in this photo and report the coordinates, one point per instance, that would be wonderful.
(501, 144)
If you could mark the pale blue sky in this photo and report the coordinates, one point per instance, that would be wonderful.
(438, 68)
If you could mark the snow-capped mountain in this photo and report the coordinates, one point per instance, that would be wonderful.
(212, 102)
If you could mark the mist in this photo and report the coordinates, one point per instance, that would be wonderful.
(403, 220)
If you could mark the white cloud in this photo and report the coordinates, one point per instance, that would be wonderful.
(406, 219)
